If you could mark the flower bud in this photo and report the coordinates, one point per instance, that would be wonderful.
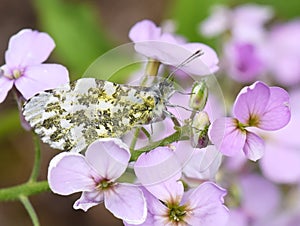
(199, 96)
(200, 126)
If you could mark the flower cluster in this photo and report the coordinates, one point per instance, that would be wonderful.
(250, 50)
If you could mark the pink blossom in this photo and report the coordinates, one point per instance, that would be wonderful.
(243, 60)
(241, 20)
(281, 162)
(258, 106)
(95, 176)
(244, 48)
(24, 68)
(283, 52)
(259, 199)
(168, 49)
(168, 204)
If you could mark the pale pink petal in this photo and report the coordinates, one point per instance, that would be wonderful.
(277, 113)
(203, 164)
(144, 30)
(157, 166)
(155, 209)
(259, 196)
(281, 162)
(174, 54)
(28, 47)
(226, 136)
(251, 102)
(126, 202)
(109, 156)
(235, 163)
(41, 77)
(88, 200)
(206, 205)
(254, 146)
(252, 15)
(243, 59)
(217, 23)
(209, 58)
(283, 52)
(69, 173)
(237, 218)
(170, 191)
(5, 85)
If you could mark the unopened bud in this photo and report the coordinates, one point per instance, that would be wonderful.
(200, 126)
(199, 96)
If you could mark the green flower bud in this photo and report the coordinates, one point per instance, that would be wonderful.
(199, 96)
(200, 126)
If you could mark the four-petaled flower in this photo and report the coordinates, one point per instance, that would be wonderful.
(258, 105)
(168, 204)
(95, 175)
(24, 68)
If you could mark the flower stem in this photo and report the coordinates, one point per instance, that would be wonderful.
(37, 159)
(135, 137)
(25, 201)
(176, 136)
(27, 189)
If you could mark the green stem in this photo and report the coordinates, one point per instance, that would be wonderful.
(135, 137)
(27, 189)
(25, 201)
(178, 135)
(37, 159)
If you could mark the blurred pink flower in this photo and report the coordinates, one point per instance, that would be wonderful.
(168, 49)
(258, 106)
(24, 68)
(95, 176)
(259, 200)
(281, 162)
(283, 52)
(241, 20)
(243, 60)
(243, 50)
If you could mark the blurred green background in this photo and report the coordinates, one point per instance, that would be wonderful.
(83, 30)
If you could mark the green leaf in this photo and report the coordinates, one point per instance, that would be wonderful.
(76, 30)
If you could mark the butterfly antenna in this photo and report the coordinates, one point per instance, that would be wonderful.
(194, 56)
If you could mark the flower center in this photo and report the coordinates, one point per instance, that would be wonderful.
(104, 184)
(253, 120)
(16, 73)
(176, 212)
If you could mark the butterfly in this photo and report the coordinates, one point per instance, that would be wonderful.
(73, 116)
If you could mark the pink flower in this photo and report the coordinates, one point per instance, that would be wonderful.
(259, 200)
(242, 20)
(243, 60)
(258, 106)
(283, 52)
(168, 204)
(245, 48)
(26, 52)
(168, 49)
(281, 162)
(95, 175)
